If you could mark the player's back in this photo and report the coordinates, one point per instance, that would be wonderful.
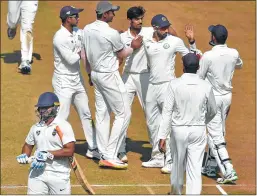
(98, 43)
(190, 100)
(222, 62)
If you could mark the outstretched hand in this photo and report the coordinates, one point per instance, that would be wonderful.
(189, 32)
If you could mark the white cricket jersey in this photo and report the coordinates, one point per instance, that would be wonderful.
(161, 57)
(137, 61)
(66, 48)
(101, 42)
(47, 138)
(189, 102)
(218, 65)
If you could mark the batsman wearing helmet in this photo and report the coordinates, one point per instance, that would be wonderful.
(55, 142)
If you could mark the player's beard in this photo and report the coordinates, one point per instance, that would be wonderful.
(161, 36)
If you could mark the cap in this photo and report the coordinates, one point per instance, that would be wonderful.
(105, 6)
(219, 32)
(69, 11)
(160, 21)
(47, 99)
(190, 60)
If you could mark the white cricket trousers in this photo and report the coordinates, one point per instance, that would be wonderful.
(71, 90)
(23, 12)
(135, 84)
(188, 146)
(48, 183)
(217, 131)
(155, 98)
(110, 96)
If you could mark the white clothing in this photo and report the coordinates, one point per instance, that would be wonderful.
(111, 96)
(67, 80)
(218, 66)
(188, 106)
(137, 61)
(46, 138)
(23, 12)
(101, 42)
(161, 57)
(48, 183)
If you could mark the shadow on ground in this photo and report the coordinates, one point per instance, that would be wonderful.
(15, 57)
(132, 146)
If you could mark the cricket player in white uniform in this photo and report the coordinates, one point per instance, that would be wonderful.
(217, 66)
(136, 73)
(188, 107)
(55, 142)
(161, 51)
(23, 12)
(67, 80)
(103, 47)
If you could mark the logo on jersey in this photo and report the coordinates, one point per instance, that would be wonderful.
(54, 132)
(147, 47)
(166, 46)
(38, 132)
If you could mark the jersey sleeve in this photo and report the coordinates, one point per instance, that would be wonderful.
(116, 42)
(65, 133)
(69, 56)
(181, 48)
(30, 139)
(203, 66)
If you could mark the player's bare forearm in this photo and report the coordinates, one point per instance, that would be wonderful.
(66, 151)
(27, 149)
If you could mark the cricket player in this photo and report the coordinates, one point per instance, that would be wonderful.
(188, 107)
(23, 12)
(67, 79)
(161, 51)
(136, 73)
(104, 48)
(217, 66)
(55, 142)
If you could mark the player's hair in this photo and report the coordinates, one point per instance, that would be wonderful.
(220, 40)
(99, 16)
(190, 69)
(135, 12)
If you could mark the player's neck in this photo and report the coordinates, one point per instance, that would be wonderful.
(134, 32)
(68, 27)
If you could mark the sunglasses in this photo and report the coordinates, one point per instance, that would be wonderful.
(74, 16)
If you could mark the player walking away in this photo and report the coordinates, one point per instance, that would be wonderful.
(23, 12)
(217, 66)
(136, 73)
(55, 142)
(67, 80)
(188, 106)
(103, 47)
(161, 51)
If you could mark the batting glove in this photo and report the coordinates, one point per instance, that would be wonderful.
(22, 159)
(40, 159)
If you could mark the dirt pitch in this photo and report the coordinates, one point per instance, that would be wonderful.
(19, 93)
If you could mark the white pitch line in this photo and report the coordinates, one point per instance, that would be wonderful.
(131, 185)
(221, 190)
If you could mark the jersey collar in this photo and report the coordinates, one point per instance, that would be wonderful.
(219, 46)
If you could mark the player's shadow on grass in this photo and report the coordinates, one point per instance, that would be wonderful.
(132, 146)
(15, 57)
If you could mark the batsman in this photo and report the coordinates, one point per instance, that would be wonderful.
(55, 142)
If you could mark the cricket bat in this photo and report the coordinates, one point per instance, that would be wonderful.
(80, 175)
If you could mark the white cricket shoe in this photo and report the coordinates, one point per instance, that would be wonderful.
(153, 163)
(93, 154)
(167, 168)
(25, 67)
(228, 178)
(113, 164)
(209, 171)
(123, 157)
